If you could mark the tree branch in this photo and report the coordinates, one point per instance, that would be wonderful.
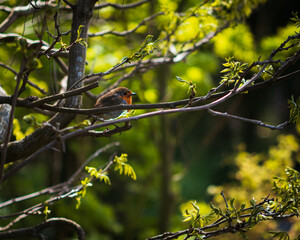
(124, 33)
(219, 227)
(59, 187)
(64, 191)
(41, 90)
(121, 6)
(16, 12)
(13, 37)
(253, 121)
(35, 230)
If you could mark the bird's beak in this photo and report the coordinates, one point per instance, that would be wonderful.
(133, 93)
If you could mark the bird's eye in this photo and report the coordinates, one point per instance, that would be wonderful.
(125, 93)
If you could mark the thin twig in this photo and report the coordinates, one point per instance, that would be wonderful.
(59, 96)
(17, 12)
(127, 32)
(121, 6)
(29, 82)
(49, 190)
(96, 154)
(222, 194)
(253, 121)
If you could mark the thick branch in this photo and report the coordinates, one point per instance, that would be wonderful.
(36, 230)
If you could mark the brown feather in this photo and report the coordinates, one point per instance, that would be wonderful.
(117, 96)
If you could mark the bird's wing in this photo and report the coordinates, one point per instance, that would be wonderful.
(110, 100)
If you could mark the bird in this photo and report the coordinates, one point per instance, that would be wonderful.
(116, 96)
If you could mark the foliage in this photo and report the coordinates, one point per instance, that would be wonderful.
(233, 71)
(123, 167)
(294, 107)
(147, 48)
(97, 174)
(237, 215)
(177, 157)
(280, 235)
(296, 19)
(191, 89)
(288, 191)
(263, 166)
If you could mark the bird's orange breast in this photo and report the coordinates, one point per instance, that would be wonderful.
(127, 98)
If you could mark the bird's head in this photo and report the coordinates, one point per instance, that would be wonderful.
(125, 94)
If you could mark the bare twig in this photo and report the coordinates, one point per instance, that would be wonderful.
(224, 198)
(49, 190)
(100, 74)
(29, 82)
(124, 33)
(253, 121)
(12, 37)
(121, 79)
(59, 96)
(121, 6)
(19, 11)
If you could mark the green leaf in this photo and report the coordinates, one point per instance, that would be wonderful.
(242, 207)
(79, 30)
(103, 177)
(194, 203)
(147, 48)
(233, 70)
(252, 202)
(280, 235)
(46, 211)
(122, 166)
(181, 80)
(294, 107)
(215, 209)
(295, 19)
(30, 120)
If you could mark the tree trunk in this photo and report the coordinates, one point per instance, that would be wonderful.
(82, 12)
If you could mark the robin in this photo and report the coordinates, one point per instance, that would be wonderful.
(117, 96)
